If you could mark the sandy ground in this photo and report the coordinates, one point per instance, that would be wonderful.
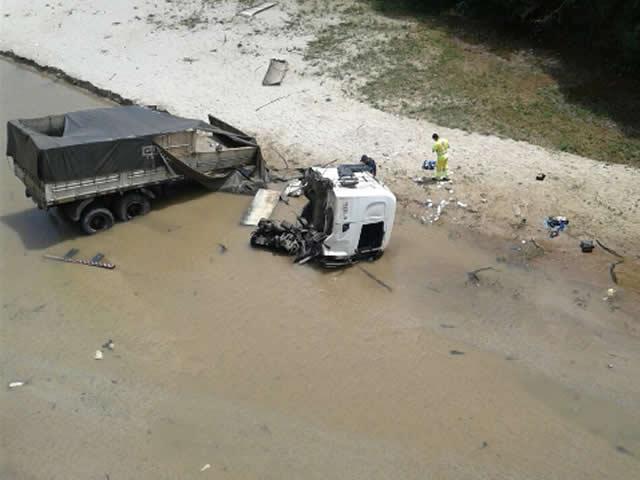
(260, 369)
(199, 56)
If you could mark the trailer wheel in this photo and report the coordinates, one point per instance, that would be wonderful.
(96, 219)
(132, 205)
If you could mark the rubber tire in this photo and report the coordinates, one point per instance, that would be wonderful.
(96, 219)
(130, 200)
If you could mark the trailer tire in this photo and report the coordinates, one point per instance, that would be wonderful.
(131, 205)
(96, 219)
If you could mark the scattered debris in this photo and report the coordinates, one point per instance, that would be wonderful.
(71, 253)
(262, 206)
(456, 352)
(16, 384)
(556, 225)
(473, 275)
(623, 450)
(277, 100)
(222, 248)
(586, 246)
(293, 189)
(420, 180)
(302, 243)
(461, 205)
(540, 177)
(429, 165)
(612, 271)
(610, 365)
(251, 12)
(108, 344)
(275, 73)
(108, 266)
(97, 257)
(535, 244)
(205, 467)
(98, 355)
(375, 279)
(611, 294)
(609, 250)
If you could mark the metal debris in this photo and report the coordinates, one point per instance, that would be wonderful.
(108, 266)
(205, 467)
(275, 73)
(108, 344)
(293, 189)
(586, 246)
(473, 275)
(71, 253)
(97, 257)
(251, 12)
(304, 243)
(16, 384)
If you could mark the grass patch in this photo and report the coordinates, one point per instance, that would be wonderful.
(466, 77)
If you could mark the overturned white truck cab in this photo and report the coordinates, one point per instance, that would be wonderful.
(353, 209)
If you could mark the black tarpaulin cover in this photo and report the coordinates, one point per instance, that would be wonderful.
(97, 142)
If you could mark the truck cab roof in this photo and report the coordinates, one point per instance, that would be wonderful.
(355, 185)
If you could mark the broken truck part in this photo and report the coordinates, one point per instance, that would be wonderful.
(275, 73)
(102, 164)
(348, 217)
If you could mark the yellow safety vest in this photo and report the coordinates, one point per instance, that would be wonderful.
(441, 147)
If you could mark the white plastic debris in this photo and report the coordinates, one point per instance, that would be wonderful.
(293, 189)
(462, 205)
(205, 467)
(16, 384)
(98, 355)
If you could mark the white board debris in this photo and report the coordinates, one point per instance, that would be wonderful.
(261, 207)
(250, 12)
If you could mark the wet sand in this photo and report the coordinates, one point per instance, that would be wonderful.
(263, 369)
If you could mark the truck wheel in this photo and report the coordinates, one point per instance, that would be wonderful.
(132, 205)
(96, 219)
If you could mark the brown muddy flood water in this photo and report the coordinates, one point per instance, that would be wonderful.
(264, 369)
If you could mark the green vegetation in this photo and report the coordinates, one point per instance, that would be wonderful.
(458, 73)
(610, 27)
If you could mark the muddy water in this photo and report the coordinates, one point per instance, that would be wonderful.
(238, 359)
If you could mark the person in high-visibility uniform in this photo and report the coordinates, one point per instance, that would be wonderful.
(441, 148)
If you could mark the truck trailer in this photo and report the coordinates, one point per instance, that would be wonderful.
(109, 163)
